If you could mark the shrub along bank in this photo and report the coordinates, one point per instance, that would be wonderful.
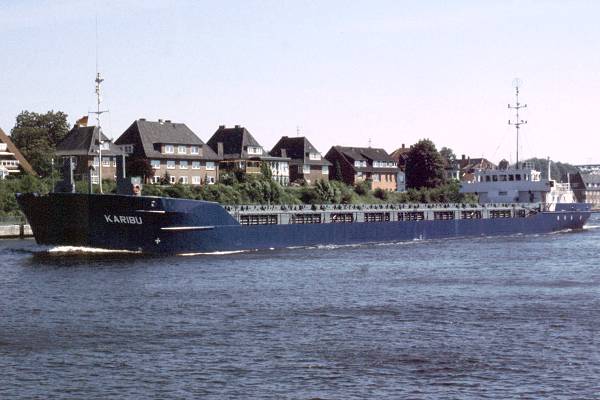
(252, 190)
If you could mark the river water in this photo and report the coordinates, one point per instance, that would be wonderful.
(498, 318)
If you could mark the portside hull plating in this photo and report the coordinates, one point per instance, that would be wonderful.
(162, 225)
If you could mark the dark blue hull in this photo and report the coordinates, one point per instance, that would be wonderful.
(165, 225)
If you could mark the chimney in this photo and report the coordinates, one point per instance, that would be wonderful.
(237, 127)
(220, 149)
(221, 126)
(142, 119)
(168, 121)
(284, 153)
(403, 146)
(463, 156)
(160, 121)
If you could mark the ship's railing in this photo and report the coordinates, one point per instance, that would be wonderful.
(295, 208)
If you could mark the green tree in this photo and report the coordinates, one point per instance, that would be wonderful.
(448, 155)
(36, 136)
(337, 172)
(139, 167)
(558, 169)
(265, 170)
(424, 166)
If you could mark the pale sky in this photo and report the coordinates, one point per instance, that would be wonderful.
(343, 72)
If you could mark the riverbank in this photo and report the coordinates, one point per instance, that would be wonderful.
(15, 231)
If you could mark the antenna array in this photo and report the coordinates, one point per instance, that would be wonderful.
(517, 122)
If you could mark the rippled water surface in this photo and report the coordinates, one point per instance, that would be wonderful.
(514, 317)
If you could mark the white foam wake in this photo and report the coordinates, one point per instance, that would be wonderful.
(83, 249)
(212, 253)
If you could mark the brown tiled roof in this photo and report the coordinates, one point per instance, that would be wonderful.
(298, 149)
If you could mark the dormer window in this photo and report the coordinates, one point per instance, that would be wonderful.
(255, 150)
(194, 150)
(314, 156)
(127, 148)
(3, 147)
(169, 149)
(105, 145)
(181, 149)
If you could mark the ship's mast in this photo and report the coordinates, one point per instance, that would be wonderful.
(517, 122)
(98, 112)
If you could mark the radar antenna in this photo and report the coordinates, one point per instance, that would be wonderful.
(517, 122)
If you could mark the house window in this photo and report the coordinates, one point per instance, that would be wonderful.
(195, 180)
(194, 150)
(127, 148)
(255, 150)
(183, 179)
(325, 170)
(156, 179)
(95, 163)
(155, 164)
(169, 149)
(375, 177)
(105, 146)
(210, 166)
(195, 164)
(306, 169)
(357, 163)
(181, 149)
(172, 179)
(314, 156)
(170, 164)
(210, 180)
(3, 146)
(183, 164)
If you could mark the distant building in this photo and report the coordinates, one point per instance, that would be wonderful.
(239, 151)
(586, 186)
(585, 168)
(306, 162)
(82, 142)
(12, 161)
(469, 165)
(172, 149)
(400, 155)
(353, 165)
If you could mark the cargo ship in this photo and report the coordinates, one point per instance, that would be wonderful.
(513, 201)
